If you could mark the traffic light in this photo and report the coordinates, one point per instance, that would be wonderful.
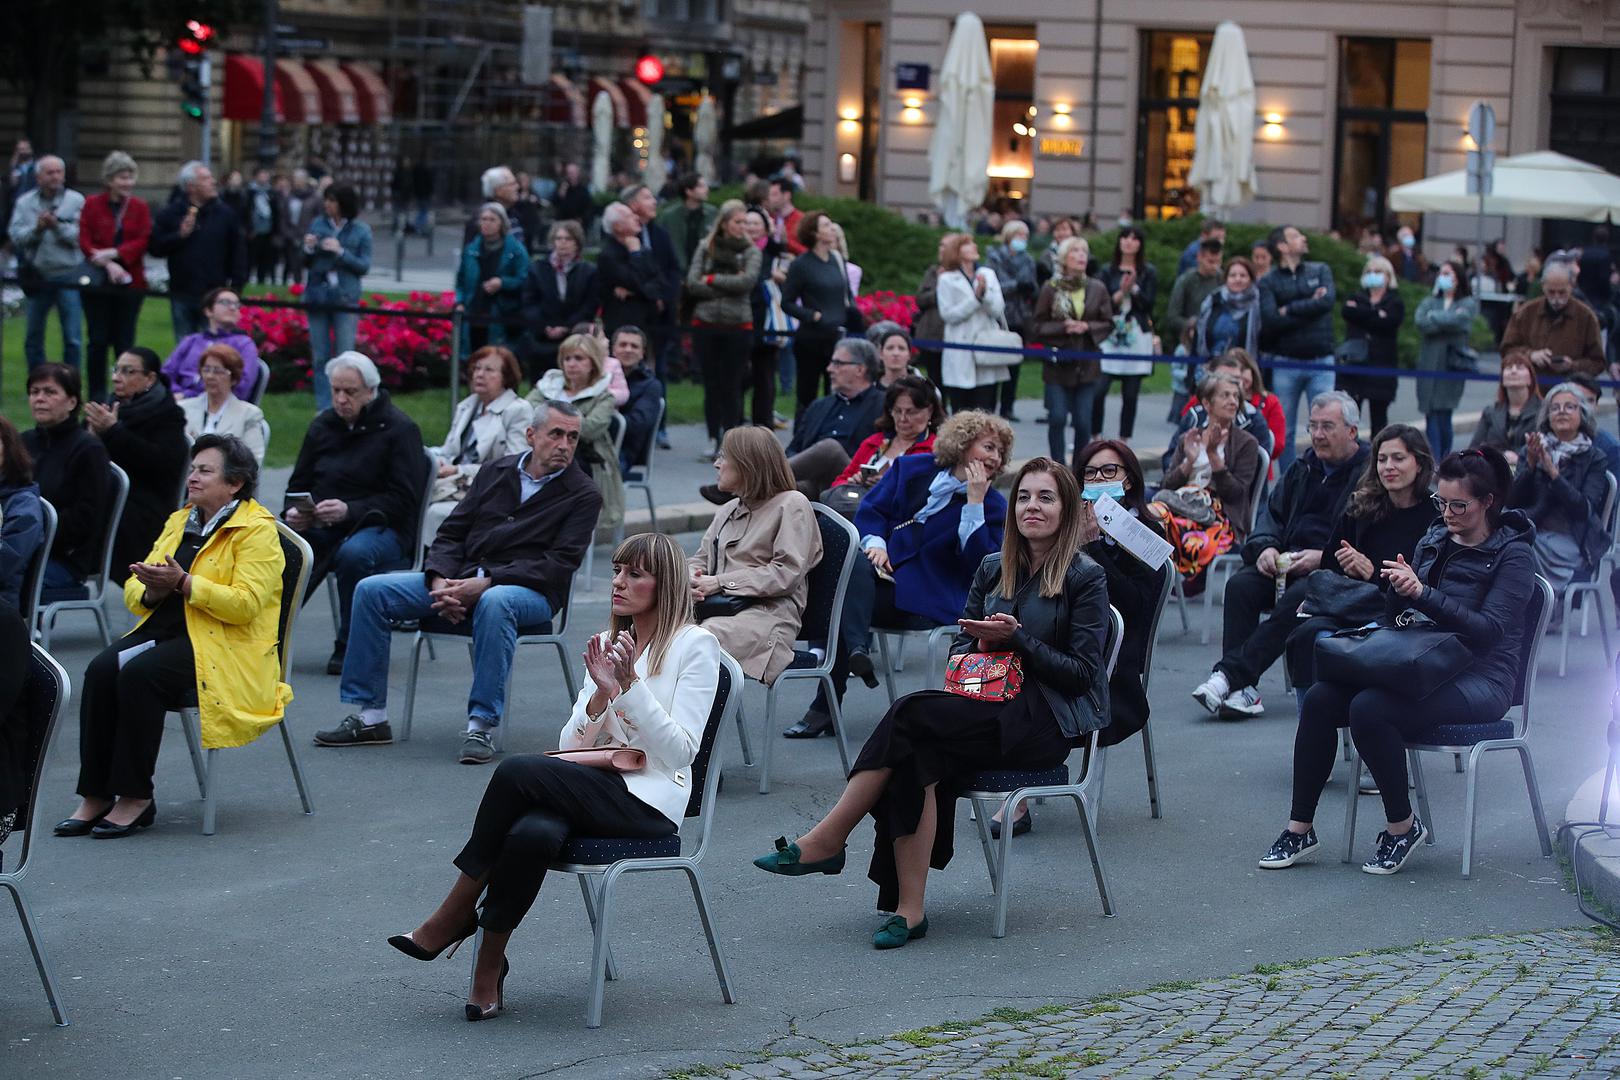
(188, 64)
(650, 70)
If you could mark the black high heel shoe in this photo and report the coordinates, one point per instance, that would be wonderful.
(405, 944)
(475, 1012)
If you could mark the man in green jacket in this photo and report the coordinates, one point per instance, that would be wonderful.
(689, 220)
(1181, 317)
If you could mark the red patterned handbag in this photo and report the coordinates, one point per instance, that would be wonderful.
(997, 676)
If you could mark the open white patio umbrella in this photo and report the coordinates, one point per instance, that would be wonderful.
(705, 136)
(1540, 184)
(959, 153)
(601, 141)
(1223, 157)
(654, 175)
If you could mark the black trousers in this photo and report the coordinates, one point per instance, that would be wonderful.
(811, 355)
(1380, 721)
(262, 252)
(1009, 390)
(530, 809)
(110, 328)
(1249, 652)
(121, 714)
(869, 603)
(722, 356)
(1377, 413)
(762, 361)
(932, 362)
(977, 397)
(1130, 388)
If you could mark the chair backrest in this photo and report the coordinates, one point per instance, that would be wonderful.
(1609, 503)
(1257, 490)
(829, 578)
(616, 429)
(261, 383)
(1536, 617)
(432, 467)
(1166, 590)
(299, 557)
(44, 699)
(706, 765)
(1116, 638)
(645, 465)
(33, 581)
(120, 496)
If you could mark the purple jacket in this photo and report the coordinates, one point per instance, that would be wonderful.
(185, 380)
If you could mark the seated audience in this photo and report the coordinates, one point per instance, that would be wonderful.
(559, 291)
(70, 467)
(145, 435)
(218, 411)
(502, 561)
(1602, 438)
(1295, 524)
(1504, 424)
(361, 466)
(1561, 486)
(645, 394)
(751, 573)
(1043, 599)
(1206, 495)
(208, 597)
(22, 519)
(924, 529)
(653, 678)
(581, 380)
(1260, 414)
(223, 310)
(911, 415)
(1473, 573)
(488, 424)
(829, 431)
(1073, 312)
(1558, 328)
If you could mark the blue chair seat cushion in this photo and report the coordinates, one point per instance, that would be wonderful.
(803, 658)
(1463, 734)
(433, 624)
(596, 851)
(907, 623)
(59, 595)
(1008, 779)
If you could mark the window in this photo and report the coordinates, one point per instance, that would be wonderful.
(1382, 129)
(1166, 111)
(1584, 123)
(1012, 147)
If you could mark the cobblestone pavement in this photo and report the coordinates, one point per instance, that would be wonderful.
(1545, 1004)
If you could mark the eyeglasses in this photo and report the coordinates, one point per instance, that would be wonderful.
(1111, 471)
(1456, 507)
(1322, 427)
(835, 362)
(224, 303)
(1564, 407)
(128, 369)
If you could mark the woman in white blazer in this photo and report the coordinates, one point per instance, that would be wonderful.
(217, 410)
(653, 676)
(488, 424)
(970, 303)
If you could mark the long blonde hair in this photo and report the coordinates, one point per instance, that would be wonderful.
(729, 209)
(659, 555)
(1015, 555)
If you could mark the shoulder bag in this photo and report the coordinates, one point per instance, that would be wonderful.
(1351, 352)
(998, 336)
(1414, 657)
(1461, 358)
(718, 607)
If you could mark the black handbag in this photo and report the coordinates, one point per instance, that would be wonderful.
(1414, 657)
(1352, 351)
(1462, 358)
(717, 607)
(1350, 601)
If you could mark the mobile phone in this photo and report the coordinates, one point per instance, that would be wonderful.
(302, 501)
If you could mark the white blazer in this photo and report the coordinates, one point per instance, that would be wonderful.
(498, 431)
(241, 418)
(966, 316)
(662, 715)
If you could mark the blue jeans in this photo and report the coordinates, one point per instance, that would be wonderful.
(186, 318)
(1438, 423)
(389, 598)
(69, 307)
(1289, 384)
(350, 559)
(1066, 405)
(330, 333)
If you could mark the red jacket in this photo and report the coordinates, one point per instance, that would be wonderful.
(790, 232)
(871, 447)
(98, 225)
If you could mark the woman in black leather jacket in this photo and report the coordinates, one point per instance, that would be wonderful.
(1042, 598)
(1473, 573)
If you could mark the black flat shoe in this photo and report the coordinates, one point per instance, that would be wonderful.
(1021, 825)
(75, 826)
(475, 1013)
(814, 725)
(106, 830)
(405, 944)
(860, 666)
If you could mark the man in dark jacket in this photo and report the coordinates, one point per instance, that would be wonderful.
(203, 241)
(627, 278)
(641, 410)
(501, 563)
(1294, 526)
(656, 240)
(1296, 326)
(363, 471)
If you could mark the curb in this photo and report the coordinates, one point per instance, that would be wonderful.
(1596, 858)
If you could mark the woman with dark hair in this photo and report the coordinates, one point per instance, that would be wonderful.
(223, 310)
(724, 271)
(1443, 322)
(1561, 484)
(911, 416)
(895, 353)
(1133, 285)
(1473, 574)
(208, 596)
(1230, 316)
(560, 290)
(145, 435)
(816, 292)
(337, 253)
(1040, 598)
(22, 521)
(70, 467)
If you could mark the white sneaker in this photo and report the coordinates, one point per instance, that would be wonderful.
(1212, 691)
(1244, 702)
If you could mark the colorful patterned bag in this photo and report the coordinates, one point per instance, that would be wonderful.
(997, 676)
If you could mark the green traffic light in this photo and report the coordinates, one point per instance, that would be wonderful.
(192, 110)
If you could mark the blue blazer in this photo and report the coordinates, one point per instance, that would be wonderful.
(932, 569)
(353, 263)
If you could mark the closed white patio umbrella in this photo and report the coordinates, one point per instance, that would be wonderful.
(959, 153)
(1540, 184)
(705, 138)
(1223, 157)
(654, 175)
(601, 140)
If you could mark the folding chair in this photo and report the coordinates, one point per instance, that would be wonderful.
(94, 590)
(46, 694)
(1595, 587)
(1223, 566)
(416, 546)
(260, 384)
(1171, 578)
(1003, 789)
(616, 423)
(642, 472)
(939, 639)
(599, 863)
(823, 614)
(33, 582)
(1476, 740)
(294, 580)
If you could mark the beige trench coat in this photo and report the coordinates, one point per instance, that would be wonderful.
(766, 552)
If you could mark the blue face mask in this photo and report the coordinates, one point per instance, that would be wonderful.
(1018, 244)
(1372, 280)
(1093, 492)
(1444, 282)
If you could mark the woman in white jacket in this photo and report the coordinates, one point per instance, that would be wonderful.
(489, 423)
(970, 303)
(217, 410)
(653, 677)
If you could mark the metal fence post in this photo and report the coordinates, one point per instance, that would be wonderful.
(399, 254)
(455, 362)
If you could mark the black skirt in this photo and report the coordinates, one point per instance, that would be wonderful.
(936, 737)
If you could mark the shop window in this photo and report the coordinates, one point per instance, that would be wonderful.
(1166, 113)
(1012, 149)
(1584, 123)
(1382, 129)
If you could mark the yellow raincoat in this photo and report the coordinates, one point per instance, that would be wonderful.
(232, 618)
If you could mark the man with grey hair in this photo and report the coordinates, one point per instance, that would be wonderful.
(500, 565)
(1558, 328)
(655, 239)
(203, 240)
(44, 231)
(498, 185)
(356, 490)
(1295, 525)
(627, 277)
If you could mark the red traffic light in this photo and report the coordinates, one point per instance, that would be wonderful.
(195, 38)
(650, 70)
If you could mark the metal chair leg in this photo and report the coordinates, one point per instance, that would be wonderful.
(588, 891)
(1004, 864)
(101, 624)
(1352, 791)
(1470, 801)
(721, 971)
(332, 600)
(297, 769)
(1415, 763)
(567, 670)
(410, 687)
(1152, 771)
(884, 662)
(210, 800)
(41, 964)
(767, 738)
(1096, 859)
(1181, 604)
(981, 818)
(194, 745)
(1533, 789)
(837, 712)
(599, 951)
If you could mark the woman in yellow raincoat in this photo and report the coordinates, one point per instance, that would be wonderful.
(209, 600)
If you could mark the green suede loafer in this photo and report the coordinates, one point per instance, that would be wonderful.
(894, 932)
(785, 861)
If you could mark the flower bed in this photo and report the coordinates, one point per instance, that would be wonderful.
(411, 354)
(894, 307)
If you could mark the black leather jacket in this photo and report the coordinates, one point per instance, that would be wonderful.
(1577, 496)
(1062, 639)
